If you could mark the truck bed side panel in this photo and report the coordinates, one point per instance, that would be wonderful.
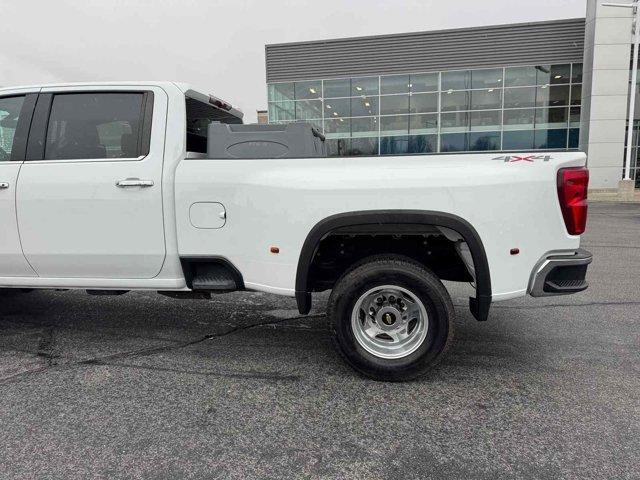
(510, 199)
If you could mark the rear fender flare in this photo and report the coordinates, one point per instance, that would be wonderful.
(479, 305)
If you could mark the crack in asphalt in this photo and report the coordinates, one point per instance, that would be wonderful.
(141, 352)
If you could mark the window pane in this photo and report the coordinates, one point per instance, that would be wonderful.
(363, 146)
(454, 101)
(411, 144)
(279, 92)
(280, 111)
(576, 94)
(424, 82)
(423, 143)
(307, 109)
(364, 86)
(456, 80)
(574, 117)
(111, 135)
(310, 89)
(423, 123)
(551, 138)
(519, 97)
(553, 74)
(519, 76)
(454, 142)
(94, 125)
(517, 140)
(551, 118)
(542, 74)
(340, 107)
(338, 148)
(199, 117)
(485, 99)
(337, 127)
(425, 102)
(560, 74)
(394, 104)
(337, 88)
(364, 106)
(519, 119)
(397, 125)
(364, 126)
(9, 115)
(576, 73)
(486, 120)
(454, 122)
(484, 141)
(574, 135)
(394, 145)
(394, 84)
(552, 96)
(486, 78)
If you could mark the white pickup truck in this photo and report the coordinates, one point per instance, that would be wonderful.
(109, 188)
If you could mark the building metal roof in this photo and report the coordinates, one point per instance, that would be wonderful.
(556, 41)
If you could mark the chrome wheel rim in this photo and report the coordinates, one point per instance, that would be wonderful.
(389, 322)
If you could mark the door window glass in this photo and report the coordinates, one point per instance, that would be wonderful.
(94, 126)
(9, 115)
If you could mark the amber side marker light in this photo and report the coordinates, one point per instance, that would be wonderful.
(274, 250)
(514, 251)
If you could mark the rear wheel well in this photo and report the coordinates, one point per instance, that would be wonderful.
(338, 252)
(434, 239)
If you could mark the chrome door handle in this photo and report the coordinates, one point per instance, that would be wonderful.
(134, 182)
(4, 185)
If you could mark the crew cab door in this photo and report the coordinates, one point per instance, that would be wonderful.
(89, 195)
(16, 110)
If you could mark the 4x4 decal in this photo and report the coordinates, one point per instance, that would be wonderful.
(522, 158)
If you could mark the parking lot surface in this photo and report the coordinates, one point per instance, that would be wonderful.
(240, 386)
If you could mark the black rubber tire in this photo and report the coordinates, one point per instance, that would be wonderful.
(404, 272)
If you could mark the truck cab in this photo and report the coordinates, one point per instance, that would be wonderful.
(91, 168)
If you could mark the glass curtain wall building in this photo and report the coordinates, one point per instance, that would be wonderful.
(509, 87)
(532, 107)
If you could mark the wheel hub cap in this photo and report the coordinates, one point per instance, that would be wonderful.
(387, 317)
(389, 321)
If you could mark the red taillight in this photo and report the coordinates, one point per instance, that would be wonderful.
(572, 193)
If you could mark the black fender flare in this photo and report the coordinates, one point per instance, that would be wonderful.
(479, 305)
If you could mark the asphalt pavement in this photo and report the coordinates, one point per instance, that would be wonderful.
(240, 386)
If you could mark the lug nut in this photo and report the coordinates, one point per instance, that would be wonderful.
(392, 299)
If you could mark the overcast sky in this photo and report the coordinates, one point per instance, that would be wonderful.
(216, 45)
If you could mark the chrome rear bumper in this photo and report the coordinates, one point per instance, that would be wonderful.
(560, 273)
